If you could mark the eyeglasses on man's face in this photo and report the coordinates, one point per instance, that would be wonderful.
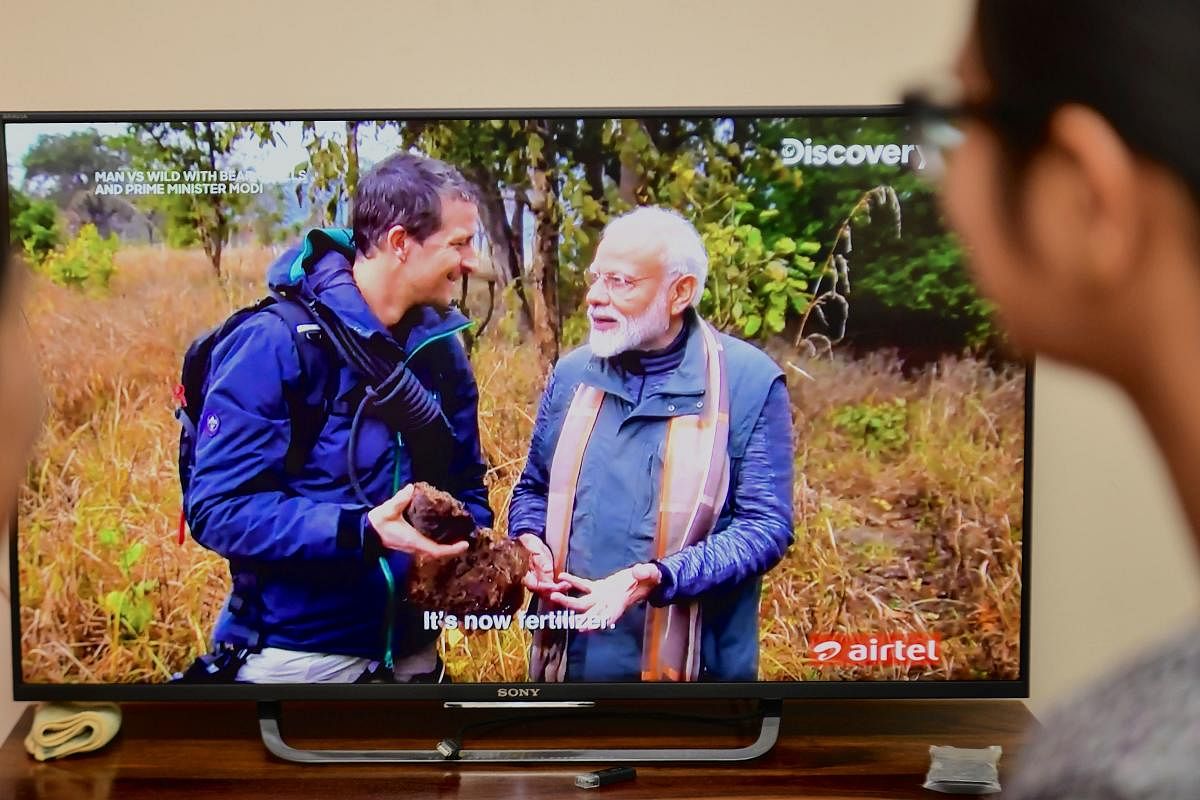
(614, 282)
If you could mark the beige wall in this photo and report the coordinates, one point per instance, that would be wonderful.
(1110, 565)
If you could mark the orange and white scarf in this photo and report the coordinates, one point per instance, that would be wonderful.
(695, 479)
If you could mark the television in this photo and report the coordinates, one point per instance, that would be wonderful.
(218, 302)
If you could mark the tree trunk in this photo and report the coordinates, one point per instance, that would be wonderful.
(505, 238)
(544, 269)
(630, 184)
(215, 236)
(517, 226)
(216, 259)
(351, 159)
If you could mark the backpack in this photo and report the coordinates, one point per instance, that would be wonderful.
(307, 414)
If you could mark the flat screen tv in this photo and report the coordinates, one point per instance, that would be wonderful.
(696, 403)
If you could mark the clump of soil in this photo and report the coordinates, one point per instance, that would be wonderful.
(484, 579)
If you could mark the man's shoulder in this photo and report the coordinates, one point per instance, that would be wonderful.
(263, 338)
(744, 356)
(571, 367)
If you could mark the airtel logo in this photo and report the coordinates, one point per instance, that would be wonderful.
(827, 651)
(872, 648)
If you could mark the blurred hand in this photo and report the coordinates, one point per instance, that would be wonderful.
(609, 598)
(395, 532)
(540, 577)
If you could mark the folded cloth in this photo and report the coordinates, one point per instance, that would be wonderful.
(61, 729)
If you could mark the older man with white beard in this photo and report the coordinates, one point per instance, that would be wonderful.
(658, 488)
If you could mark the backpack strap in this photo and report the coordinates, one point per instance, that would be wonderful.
(309, 404)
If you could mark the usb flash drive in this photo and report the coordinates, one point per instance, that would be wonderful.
(591, 780)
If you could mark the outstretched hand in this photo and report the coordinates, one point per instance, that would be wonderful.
(609, 598)
(540, 577)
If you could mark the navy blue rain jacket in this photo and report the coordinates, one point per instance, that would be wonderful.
(302, 579)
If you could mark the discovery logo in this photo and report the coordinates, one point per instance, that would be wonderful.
(874, 649)
(796, 151)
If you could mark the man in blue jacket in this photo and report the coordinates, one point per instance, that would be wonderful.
(658, 488)
(318, 574)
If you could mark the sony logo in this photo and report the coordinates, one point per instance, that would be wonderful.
(517, 692)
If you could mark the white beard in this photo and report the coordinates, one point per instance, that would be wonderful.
(632, 333)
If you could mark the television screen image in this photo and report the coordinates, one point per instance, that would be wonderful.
(697, 399)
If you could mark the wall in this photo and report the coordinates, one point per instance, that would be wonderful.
(1110, 567)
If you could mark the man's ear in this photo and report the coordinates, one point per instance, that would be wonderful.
(1104, 205)
(682, 294)
(397, 242)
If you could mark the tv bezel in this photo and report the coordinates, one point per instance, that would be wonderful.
(827, 690)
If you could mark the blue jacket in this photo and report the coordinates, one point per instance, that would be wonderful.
(613, 524)
(303, 576)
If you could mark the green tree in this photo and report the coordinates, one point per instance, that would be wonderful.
(518, 181)
(917, 277)
(33, 225)
(332, 171)
(204, 219)
(88, 260)
(62, 168)
(783, 241)
(550, 185)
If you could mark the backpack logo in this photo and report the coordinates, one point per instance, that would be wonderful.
(212, 424)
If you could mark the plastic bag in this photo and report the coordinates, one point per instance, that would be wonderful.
(960, 770)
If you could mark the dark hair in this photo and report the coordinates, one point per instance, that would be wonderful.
(406, 190)
(1129, 62)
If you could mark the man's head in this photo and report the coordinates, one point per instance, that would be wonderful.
(1075, 180)
(414, 224)
(649, 268)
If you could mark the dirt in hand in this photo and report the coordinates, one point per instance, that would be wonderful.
(439, 515)
(486, 578)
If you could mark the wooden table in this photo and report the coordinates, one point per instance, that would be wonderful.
(827, 749)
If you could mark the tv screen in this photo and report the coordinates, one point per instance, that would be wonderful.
(609, 404)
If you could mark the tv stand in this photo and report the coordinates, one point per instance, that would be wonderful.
(269, 714)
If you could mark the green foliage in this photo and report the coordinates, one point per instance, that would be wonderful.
(87, 261)
(268, 222)
(575, 330)
(60, 165)
(62, 168)
(778, 237)
(920, 274)
(33, 225)
(877, 428)
(752, 287)
(207, 220)
(179, 228)
(131, 608)
(509, 323)
(332, 170)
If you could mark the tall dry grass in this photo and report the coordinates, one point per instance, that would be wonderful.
(926, 537)
(103, 487)
(923, 537)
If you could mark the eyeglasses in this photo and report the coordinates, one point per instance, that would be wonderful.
(939, 114)
(939, 132)
(614, 282)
